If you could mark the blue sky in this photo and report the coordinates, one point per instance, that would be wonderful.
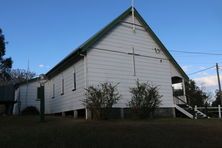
(45, 31)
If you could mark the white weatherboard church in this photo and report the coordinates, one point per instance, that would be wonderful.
(122, 52)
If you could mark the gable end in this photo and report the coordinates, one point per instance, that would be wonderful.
(82, 49)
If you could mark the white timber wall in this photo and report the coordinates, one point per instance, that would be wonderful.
(55, 103)
(27, 93)
(108, 61)
(102, 65)
(70, 100)
(174, 71)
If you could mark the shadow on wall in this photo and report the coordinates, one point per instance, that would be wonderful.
(7, 93)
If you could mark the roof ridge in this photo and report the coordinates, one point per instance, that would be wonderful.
(87, 43)
(73, 56)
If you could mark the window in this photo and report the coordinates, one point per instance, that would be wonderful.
(74, 81)
(62, 86)
(53, 90)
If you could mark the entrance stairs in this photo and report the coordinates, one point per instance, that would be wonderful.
(188, 110)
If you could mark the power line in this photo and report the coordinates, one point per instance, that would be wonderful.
(199, 53)
(201, 70)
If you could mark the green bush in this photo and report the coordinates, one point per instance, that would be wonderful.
(99, 100)
(145, 100)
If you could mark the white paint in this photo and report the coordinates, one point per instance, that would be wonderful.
(102, 66)
(30, 98)
(184, 111)
(88, 114)
(70, 100)
(195, 110)
(75, 114)
(118, 68)
(16, 105)
(184, 90)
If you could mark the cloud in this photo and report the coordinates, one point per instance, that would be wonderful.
(186, 68)
(207, 81)
(42, 66)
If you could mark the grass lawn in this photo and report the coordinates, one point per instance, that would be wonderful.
(28, 132)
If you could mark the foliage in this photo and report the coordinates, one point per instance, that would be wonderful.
(196, 95)
(217, 99)
(20, 75)
(145, 99)
(99, 100)
(5, 63)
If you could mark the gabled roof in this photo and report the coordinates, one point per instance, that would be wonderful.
(75, 55)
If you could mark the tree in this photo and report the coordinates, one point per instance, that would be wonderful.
(99, 100)
(18, 75)
(145, 99)
(217, 99)
(196, 95)
(5, 63)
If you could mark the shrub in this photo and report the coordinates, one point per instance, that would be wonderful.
(145, 99)
(99, 100)
(30, 110)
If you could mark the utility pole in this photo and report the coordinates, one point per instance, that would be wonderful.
(218, 78)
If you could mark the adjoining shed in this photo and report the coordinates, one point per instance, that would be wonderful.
(7, 93)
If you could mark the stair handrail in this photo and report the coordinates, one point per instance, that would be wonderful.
(180, 100)
(184, 102)
(188, 114)
(190, 106)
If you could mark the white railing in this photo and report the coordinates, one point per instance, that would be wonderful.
(216, 110)
(184, 111)
(179, 100)
(190, 107)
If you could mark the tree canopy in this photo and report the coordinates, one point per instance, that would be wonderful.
(195, 95)
(5, 63)
(18, 75)
(217, 99)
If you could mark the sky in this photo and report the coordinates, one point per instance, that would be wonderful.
(43, 32)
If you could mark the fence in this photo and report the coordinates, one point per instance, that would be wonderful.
(213, 112)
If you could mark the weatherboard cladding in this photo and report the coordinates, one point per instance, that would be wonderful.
(30, 98)
(104, 66)
(70, 99)
(59, 103)
(85, 47)
(110, 60)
